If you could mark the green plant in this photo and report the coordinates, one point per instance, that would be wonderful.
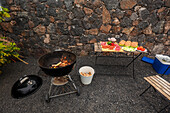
(3, 13)
(7, 50)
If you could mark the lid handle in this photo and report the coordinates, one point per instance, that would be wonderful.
(23, 80)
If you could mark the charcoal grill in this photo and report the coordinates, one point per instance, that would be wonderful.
(63, 88)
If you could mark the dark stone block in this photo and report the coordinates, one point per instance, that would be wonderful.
(118, 13)
(141, 38)
(84, 39)
(78, 13)
(151, 4)
(135, 39)
(77, 22)
(111, 4)
(77, 30)
(65, 38)
(46, 21)
(21, 21)
(142, 25)
(25, 6)
(41, 10)
(17, 30)
(62, 15)
(160, 38)
(36, 21)
(54, 37)
(98, 10)
(124, 37)
(102, 37)
(55, 3)
(91, 19)
(72, 41)
(144, 14)
(14, 37)
(158, 28)
(86, 25)
(153, 19)
(62, 28)
(26, 27)
(97, 23)
(31, 33)
(126, 22)
(68, 4)
(51, 11)
(150, 39)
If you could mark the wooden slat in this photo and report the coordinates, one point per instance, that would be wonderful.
(163, 80)
(157, 83)
(158, 86)
(165, 85)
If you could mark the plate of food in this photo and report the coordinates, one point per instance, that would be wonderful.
(129, 49)
(141, 49)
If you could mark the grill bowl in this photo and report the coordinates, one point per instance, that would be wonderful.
(46, 60)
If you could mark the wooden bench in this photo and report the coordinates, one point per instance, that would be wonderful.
(160, 85)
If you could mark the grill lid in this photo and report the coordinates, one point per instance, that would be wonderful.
(26, 86)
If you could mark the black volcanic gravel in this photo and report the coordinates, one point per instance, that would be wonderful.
(113, 90)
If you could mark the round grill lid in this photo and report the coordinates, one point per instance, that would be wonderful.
(26, 86)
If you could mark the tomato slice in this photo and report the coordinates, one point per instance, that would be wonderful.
(138, 48)
(143, 49)
(104, 46)
(111, 47)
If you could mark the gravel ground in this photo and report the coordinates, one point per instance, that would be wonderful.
(113, 90)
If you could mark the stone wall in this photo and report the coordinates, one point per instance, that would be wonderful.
(40, 26)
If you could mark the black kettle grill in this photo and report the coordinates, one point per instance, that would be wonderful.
(47, 60)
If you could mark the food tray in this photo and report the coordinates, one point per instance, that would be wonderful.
(108, 50)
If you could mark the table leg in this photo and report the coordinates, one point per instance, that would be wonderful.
(133, 68)
(95, 58)
(134, 59)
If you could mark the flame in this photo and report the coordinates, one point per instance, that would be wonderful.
(63, 62)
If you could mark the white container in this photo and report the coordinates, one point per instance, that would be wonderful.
(84, 79)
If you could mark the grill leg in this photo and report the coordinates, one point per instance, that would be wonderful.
(145, 90)
(72, 82)
(49, 92)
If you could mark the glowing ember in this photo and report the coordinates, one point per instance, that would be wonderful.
(63, 62)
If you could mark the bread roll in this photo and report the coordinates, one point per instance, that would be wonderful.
(122, 43)
(128, 43)
(134, 44)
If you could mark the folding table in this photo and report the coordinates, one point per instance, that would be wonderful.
(98, 49)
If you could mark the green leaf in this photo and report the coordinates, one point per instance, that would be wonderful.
(6, 15)
(5, 9)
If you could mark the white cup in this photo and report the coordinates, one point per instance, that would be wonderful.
(86, 79)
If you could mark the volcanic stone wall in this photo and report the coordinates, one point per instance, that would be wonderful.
(40, 26)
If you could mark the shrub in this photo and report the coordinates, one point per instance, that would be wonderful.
(7, 50)
(3, 13)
